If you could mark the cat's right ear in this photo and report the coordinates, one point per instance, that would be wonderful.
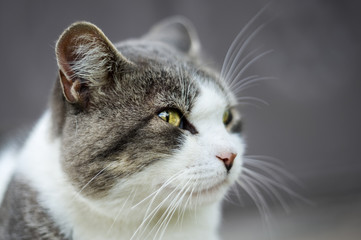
(87, 60)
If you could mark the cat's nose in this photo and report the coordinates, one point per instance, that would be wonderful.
(227, 159)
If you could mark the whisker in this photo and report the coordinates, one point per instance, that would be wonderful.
(247, 98)
(161, 188)
(234, 189)
(234, 44)
(176, 205)
(249, 64)
(242, 47)
(256, 197)
(276, 184)
(118, 213)
(270, 168)
(148, 217)
(265, 158)
(259, 200)
(246, 79)
(243, 85)
(188, 200)
(163, 218)
(230, 77)
(92, 179)
(271, 190)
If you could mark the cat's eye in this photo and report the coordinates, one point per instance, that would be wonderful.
(227, 117)
(171, 116)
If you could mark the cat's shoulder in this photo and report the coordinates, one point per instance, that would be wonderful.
(22, 217)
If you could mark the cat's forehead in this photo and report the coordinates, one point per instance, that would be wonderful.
(139, 51)
(169, 73)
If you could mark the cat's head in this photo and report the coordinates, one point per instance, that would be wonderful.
(144, 119)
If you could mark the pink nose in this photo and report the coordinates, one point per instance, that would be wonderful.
(227, 159)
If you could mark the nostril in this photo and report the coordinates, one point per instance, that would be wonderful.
(227, 159)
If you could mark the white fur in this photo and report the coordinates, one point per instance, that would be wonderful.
(7, 167)
(186, 190)
(93, 64)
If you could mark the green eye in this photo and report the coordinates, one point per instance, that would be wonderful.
(171, 116)
(227, 117)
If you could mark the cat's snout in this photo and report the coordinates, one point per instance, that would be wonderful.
(227, 159)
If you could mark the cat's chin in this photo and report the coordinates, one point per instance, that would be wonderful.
(193, 197)
(210, 195)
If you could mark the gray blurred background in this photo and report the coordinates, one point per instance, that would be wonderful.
(312, 122)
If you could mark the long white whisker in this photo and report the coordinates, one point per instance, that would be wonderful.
(243, 85)
(267, 165)
(91, 180)
(268, 188)
(260, 202)
(238, 53)
(166, 212)
(176, 206)
(164, 185)
(247, 98)
(256, 196)
(276, 184)
(234, 44)
(270, 168)
(231, 75)
(229, 198)
(169, 209)
(265, 158)
(189, 198)
(246, 79)
(253, 60)
(148, 216)
(122, 207)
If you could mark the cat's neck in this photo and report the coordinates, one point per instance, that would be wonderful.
(79, 218)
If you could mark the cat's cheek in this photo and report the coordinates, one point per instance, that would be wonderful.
(195, 170)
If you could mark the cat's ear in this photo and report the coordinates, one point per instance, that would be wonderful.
(178, 32)
(86, 58)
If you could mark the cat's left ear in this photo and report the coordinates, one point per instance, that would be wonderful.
(87, 60)
(178, 32)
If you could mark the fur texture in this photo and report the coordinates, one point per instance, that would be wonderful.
(101, 164)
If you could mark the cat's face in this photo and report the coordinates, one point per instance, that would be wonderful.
(143, 120)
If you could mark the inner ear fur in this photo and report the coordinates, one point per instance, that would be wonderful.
(85, 58)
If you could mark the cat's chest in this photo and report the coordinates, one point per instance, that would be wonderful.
(180, 226)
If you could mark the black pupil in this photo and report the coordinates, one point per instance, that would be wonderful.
(167, 116)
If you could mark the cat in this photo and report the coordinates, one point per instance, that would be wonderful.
(141, 140)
